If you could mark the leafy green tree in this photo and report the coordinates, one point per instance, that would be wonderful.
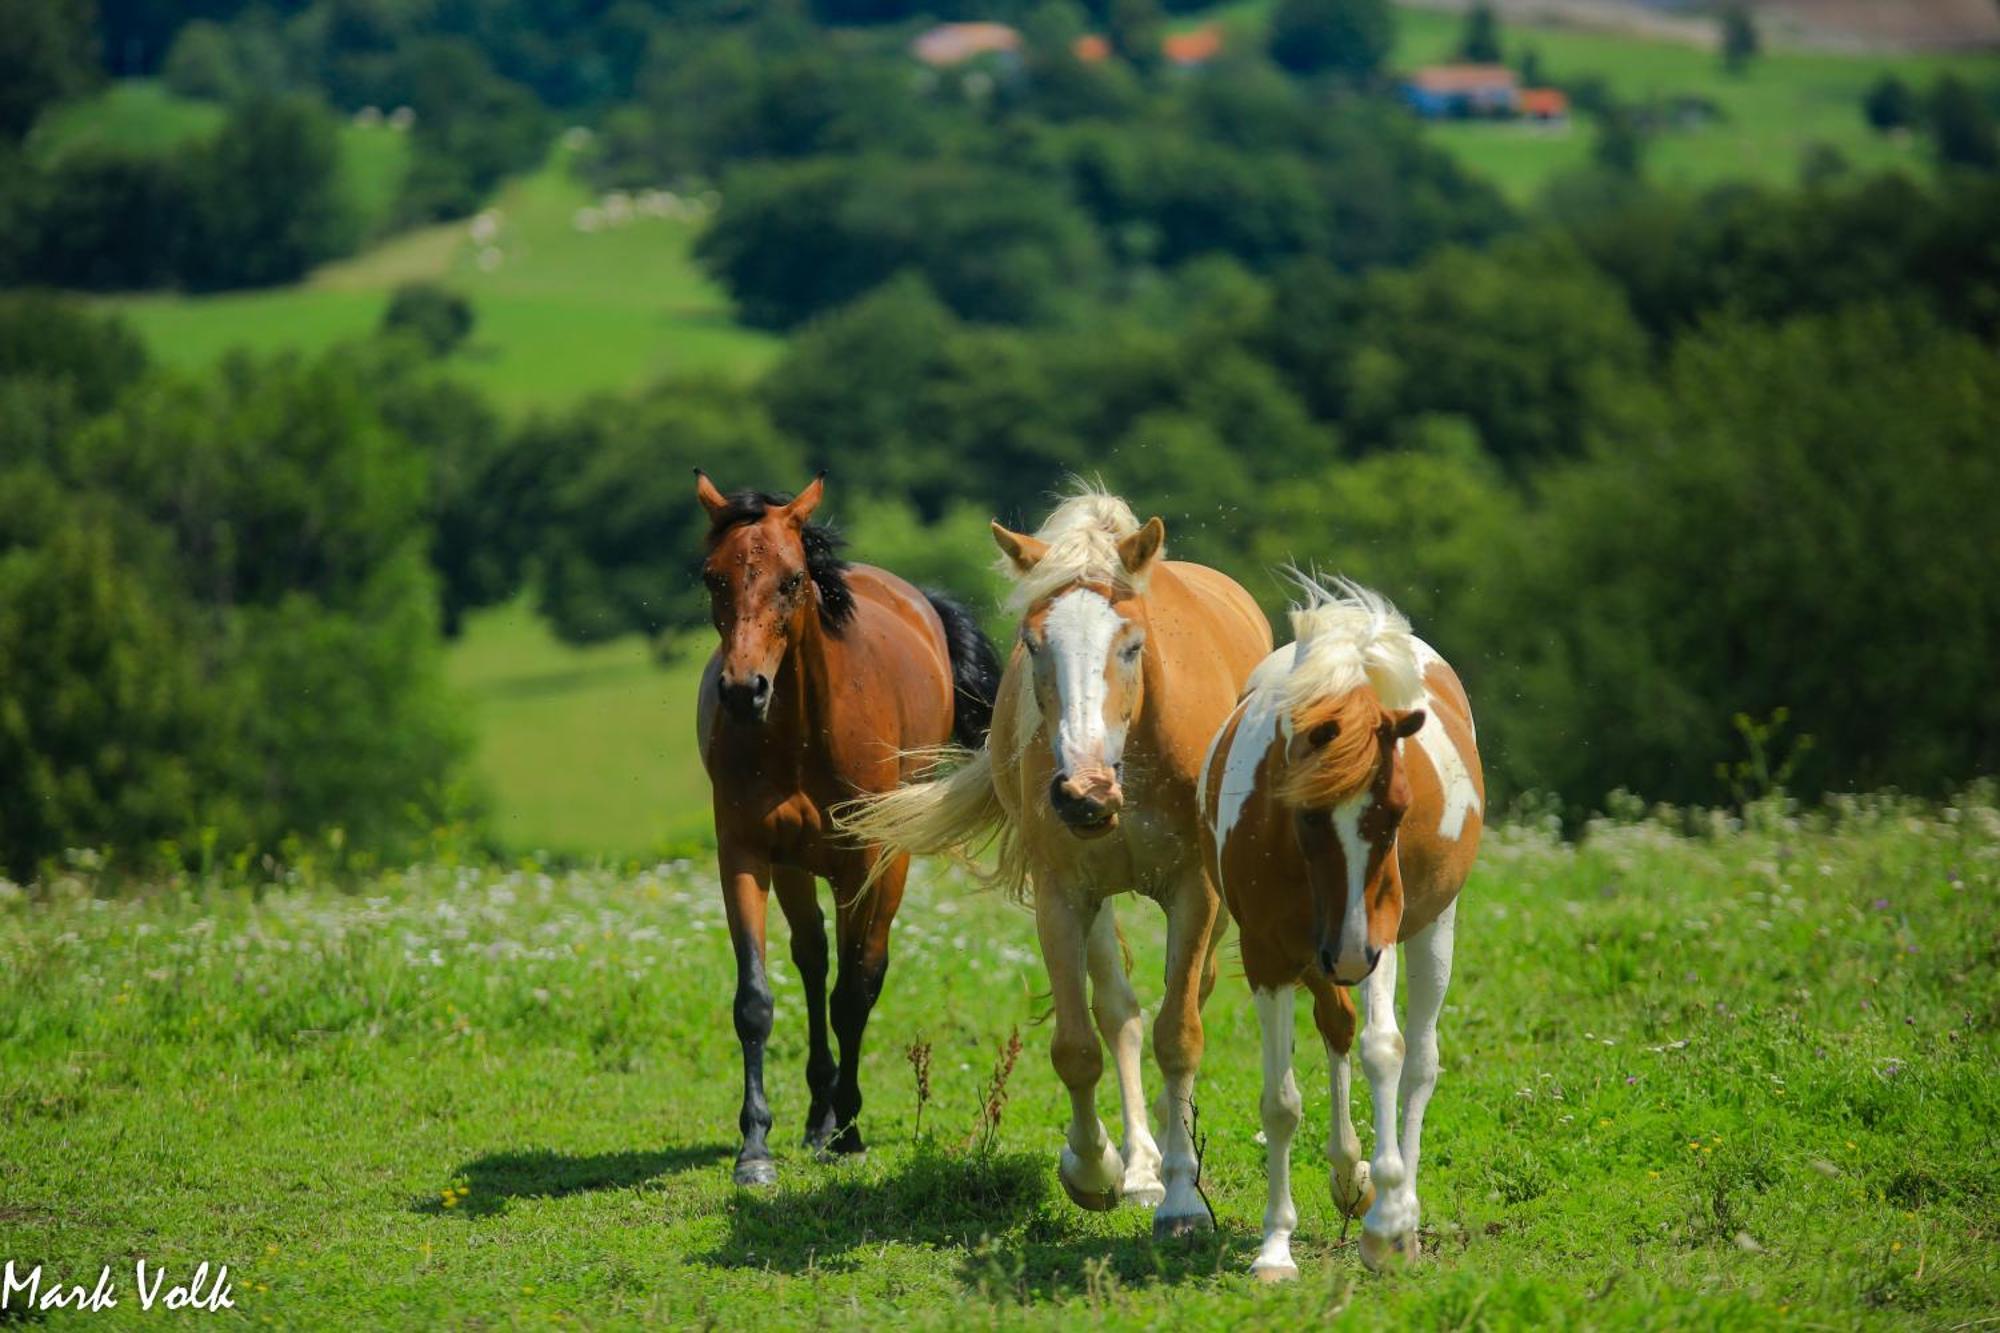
(217, 623)
(1791, 528)
(268, 197)
(1620, 146)
(1527, 343)
(439, 318)
(92, 357)
(1480, 42)
(47, 53)
(1741, 41)
(621, 532)
(1346, 38)
(1891, 104)
(797, 239)
(1963, 126)
(1136, 29)
(202, 63)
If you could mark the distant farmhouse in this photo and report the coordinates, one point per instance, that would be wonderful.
(1492, 92)
(951, 44)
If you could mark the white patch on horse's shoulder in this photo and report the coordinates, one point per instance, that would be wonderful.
(1260, 713)
(1460, 797)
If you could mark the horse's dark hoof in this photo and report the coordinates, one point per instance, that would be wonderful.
(847, 1143)
(1180, 1228)
(756, 1172)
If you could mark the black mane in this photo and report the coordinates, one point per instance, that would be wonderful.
(822, 543)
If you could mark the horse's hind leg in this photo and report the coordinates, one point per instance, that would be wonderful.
(1333, 1015)
(1116, 1009)
(862, 923)
(800, 901)
(1091, 1171)
(745, 884)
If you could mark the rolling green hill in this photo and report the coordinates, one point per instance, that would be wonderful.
(562, 313)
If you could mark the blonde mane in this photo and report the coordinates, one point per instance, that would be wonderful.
(1354, 659)
(1083, 535)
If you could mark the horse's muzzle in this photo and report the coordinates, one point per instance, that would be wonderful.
(1343, 971)
(1087, 804)
(747, 701)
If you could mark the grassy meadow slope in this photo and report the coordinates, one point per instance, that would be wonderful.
(563, 314)
(584, 752)
(1787, 102)
(1736, 1081)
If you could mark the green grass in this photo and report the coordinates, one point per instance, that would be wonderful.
(1746, 1080)
(1788, 101)
(582, 751)
(564, 315)
(136, 114)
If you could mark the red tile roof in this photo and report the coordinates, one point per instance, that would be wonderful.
(1194, 47)
(1462, 78)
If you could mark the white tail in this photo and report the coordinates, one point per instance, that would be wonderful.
(953, 815)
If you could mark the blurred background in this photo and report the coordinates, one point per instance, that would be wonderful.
(354, 355)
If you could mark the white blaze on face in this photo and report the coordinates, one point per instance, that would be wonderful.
(1079, 629)
(1351, 952)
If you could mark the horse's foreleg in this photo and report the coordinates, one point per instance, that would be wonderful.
(1333, 1015)
(1118, 1018)
(1389, 1231)
(1428, 955)
(1090, 1168)
(800, 901)
(862, 924)
(1281, 1109)
(746, 879)
(1177, 1045)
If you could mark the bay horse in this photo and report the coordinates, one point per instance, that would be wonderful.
(1125, 664)
(827, 673)
(1341, 810)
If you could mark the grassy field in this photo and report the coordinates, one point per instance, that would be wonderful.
(563, 314)
(1742, 1080)
(1787, 102)
(584, 751)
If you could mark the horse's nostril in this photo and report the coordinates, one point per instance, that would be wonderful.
(1326, 961)
(1374, 954)
(760, 686)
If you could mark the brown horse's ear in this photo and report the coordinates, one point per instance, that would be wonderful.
(1137, 551)
(1320, 734)
(807, 500)
(1023, 551)
(1405, 722)
(711, 499)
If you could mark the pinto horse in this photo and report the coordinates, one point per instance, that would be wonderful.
(1125, 665)
(1341, 810)
(827, 673)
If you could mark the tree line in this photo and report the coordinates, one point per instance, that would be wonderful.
(1654, 469)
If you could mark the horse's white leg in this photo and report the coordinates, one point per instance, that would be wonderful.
(1333, 1015)
(1389, 1231)
(1090, 1168)
(1280, 1107)
(1177, 1045)
(1429, 958)
(1118, 1018)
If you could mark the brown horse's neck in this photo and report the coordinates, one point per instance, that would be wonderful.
(805, 676)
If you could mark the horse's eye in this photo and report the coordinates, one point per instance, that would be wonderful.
(1130, 652)
(792, 582)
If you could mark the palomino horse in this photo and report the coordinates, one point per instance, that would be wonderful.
(826, 674)
(1333, 841)
(1125, 666)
